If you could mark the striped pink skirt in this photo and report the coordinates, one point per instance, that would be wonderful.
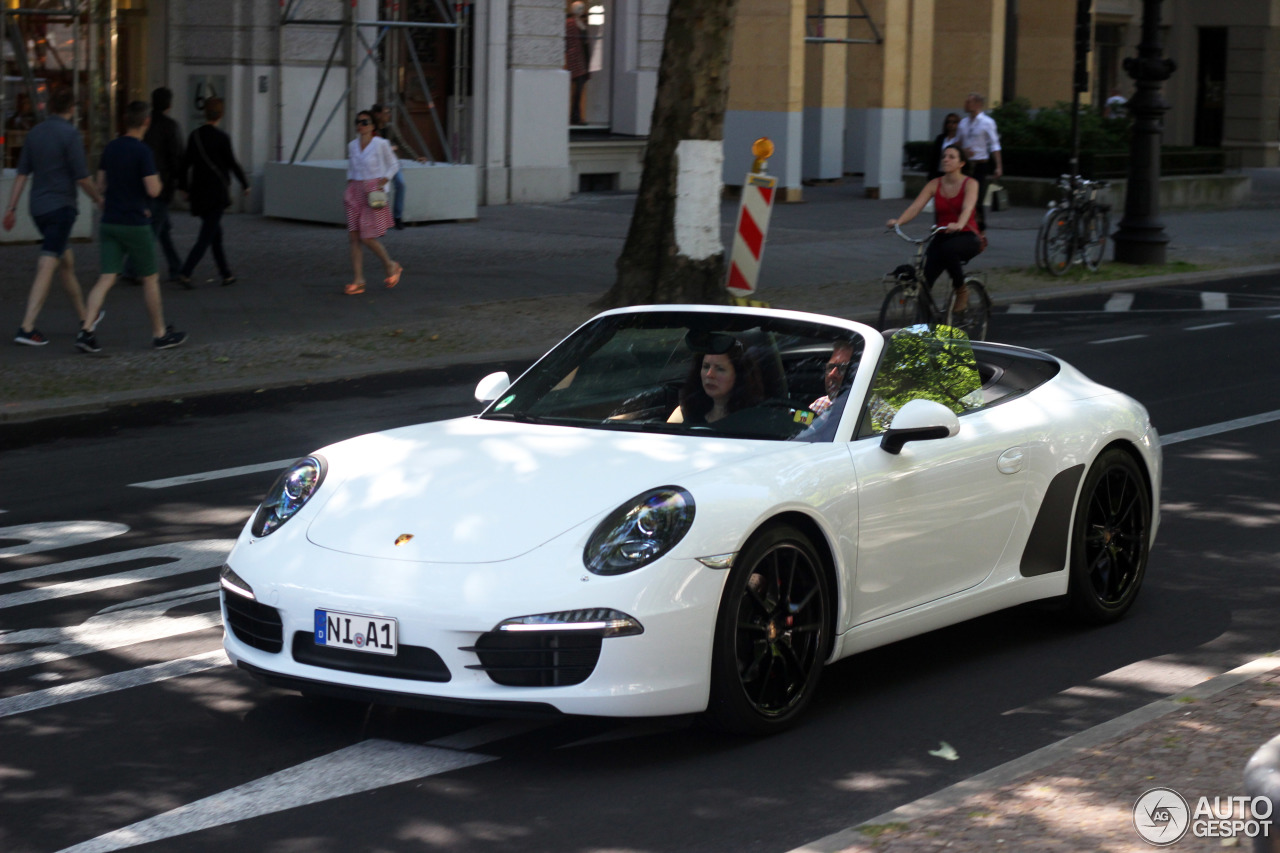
(370, 222)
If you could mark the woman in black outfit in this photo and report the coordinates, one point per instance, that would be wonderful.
(210, 164)
(950, 128)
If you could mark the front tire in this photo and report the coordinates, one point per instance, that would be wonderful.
(973, 315)
(1094, 230)
(1059, 242)
(1110, 538)
(772, 634)
(902, 307)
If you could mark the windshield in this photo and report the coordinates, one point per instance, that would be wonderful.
(687, 372)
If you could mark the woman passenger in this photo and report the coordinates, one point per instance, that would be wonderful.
(718, 384)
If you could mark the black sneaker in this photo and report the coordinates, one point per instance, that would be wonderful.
(399, 225)
(185, 281)
(228, 280)
(86, 342)
(172, 338)
(33, 338)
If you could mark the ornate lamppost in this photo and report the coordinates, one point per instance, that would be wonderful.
(1140, 238)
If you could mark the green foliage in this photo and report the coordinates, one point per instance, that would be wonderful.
(922, 362)
(1050, 127)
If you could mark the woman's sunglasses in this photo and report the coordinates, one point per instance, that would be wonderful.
(363, 121)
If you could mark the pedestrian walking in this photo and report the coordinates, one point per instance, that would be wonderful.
(577, 58)
(53, 160)
(386, 128)
(128, 181)
(950, 130)
(370, 166)
(980, 140)
(164, 138)
(209, 164)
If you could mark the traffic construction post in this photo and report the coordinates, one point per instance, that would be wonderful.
(753, 224)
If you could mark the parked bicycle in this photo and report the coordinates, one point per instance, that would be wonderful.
(909, 301)
(1075, 228)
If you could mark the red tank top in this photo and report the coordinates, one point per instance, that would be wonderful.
(947, 210)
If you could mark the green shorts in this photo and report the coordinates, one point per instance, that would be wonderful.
(136, 241)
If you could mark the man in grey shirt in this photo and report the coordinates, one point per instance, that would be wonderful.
(53, 155)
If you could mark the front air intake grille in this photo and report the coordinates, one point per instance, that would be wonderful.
(412, 662)
(254, 623)
(537, 658)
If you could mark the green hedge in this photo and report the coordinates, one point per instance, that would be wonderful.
(1037, 145)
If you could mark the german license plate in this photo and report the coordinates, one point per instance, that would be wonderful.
(353, 631)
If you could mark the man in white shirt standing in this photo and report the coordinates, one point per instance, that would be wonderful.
(981, 143)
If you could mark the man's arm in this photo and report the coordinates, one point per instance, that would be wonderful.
(86, 184)
(153, 185)
(11, 210)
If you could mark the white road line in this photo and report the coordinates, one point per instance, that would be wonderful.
(47, 698)
(181, 557)
(100, 634)
(214, 475)
(1206, 326)
(1119, 302)
(1273, 316)
(1215, 429)
(365, 766)
(1117, 340)
(50, 535)
(1021, 308)
(1213, 301)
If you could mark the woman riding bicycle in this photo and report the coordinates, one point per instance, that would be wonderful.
(955, 196)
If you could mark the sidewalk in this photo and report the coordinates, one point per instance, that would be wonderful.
(514, 282)
(508, 285)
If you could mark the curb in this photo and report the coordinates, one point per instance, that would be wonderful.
(1043, 757)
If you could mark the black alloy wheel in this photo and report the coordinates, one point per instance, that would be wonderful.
(1110, 536)
(772, 634)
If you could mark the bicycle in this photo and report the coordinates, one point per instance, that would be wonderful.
(1075, 228)
(909, 301)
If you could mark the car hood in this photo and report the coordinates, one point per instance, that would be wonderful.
(479, 491)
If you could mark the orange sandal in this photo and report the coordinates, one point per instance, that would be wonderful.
(355, 288)
(394, 279)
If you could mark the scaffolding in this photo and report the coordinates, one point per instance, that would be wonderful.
(816, 27)
(390, 39)
(40, 63)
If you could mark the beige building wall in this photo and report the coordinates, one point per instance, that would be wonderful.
(1046, 51)
(969, 54)
(767, 91)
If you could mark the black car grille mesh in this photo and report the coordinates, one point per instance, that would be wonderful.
(254, 623)
(412, 662)
(537, 658)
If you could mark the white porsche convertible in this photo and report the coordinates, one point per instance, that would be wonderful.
(685, 509)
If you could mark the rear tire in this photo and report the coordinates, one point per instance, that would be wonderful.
(1059, 243)
(1094, 230)
(772, 635)
(902, 307)
(975, 316)
(1042, 239)
(1110, 537)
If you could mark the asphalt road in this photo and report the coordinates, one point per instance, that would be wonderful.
(114, 709)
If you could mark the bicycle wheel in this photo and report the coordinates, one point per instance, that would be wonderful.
(1042, 239)
(902, 307)
(1094, 230)
(1059, 244)
(969, 309)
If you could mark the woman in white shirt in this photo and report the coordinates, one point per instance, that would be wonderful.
(371, 164)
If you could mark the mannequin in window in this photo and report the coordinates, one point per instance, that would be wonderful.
(577, 58)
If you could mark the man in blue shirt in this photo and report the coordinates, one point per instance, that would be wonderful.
(128, 181)
(53, 157)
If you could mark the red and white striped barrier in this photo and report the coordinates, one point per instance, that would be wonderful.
(748, 238)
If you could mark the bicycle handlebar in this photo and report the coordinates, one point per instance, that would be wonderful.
(934, 229)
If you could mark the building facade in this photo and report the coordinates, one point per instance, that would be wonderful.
(838, 85)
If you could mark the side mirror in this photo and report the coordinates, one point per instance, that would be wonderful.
(919, 420)
(491, 387)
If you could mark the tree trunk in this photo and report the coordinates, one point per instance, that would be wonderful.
(673, 251)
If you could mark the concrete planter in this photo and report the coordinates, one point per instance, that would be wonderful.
(1183, 192)
(312, 191)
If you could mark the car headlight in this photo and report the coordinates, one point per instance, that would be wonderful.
(640, 531)
(290, 493)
